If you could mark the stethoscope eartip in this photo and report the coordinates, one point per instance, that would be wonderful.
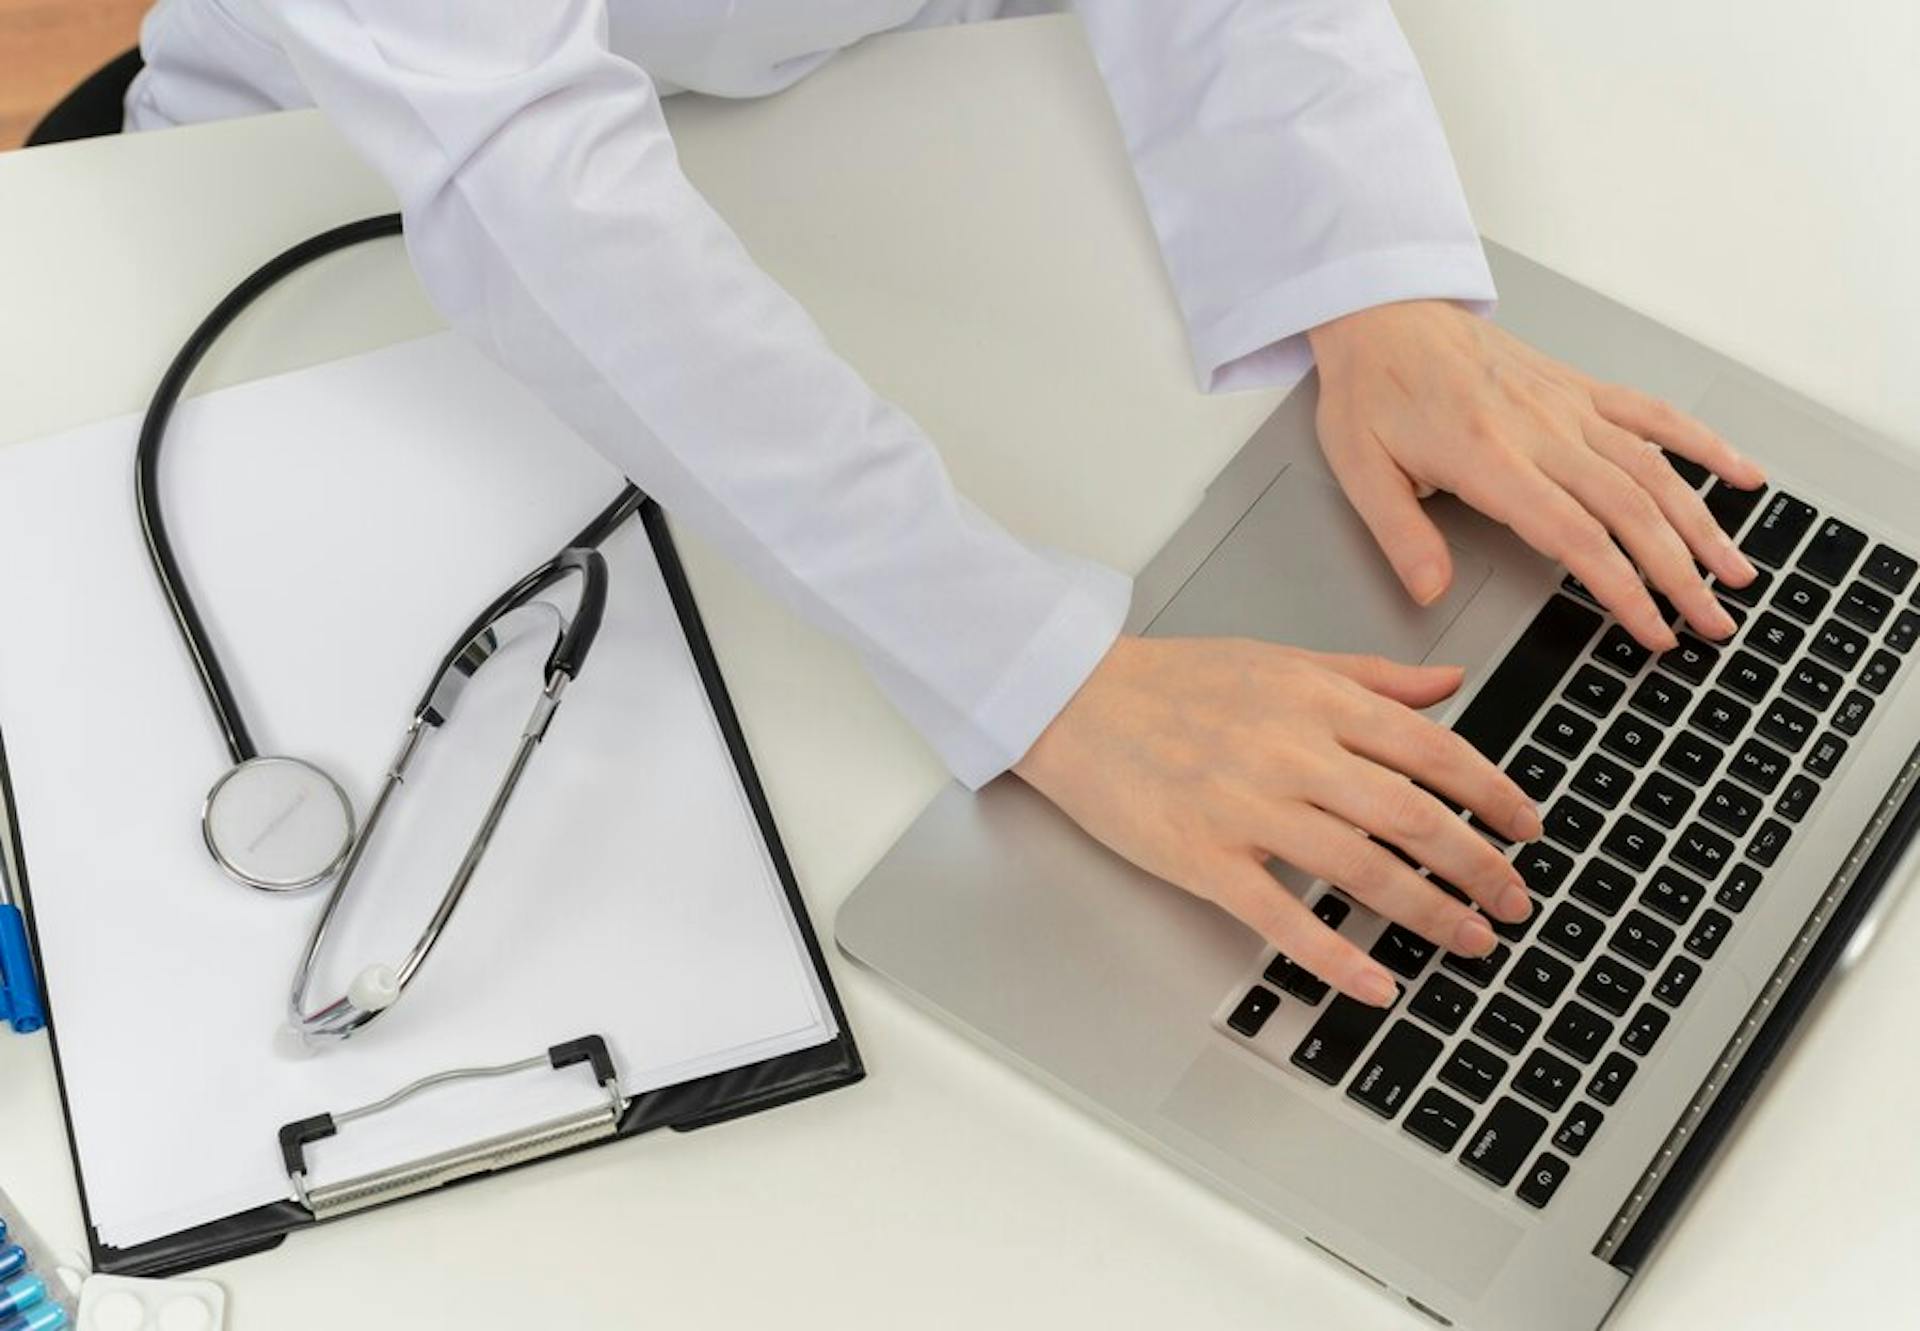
(374, 989)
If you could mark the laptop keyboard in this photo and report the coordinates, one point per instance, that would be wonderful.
(1669, 787)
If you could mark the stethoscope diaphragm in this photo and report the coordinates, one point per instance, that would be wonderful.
(278, 824)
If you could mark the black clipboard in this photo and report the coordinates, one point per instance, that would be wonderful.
(682, 1107)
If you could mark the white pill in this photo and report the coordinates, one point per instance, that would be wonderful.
(118, 1311)
(186, 1314)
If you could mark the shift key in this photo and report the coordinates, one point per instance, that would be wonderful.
(1336, 1040)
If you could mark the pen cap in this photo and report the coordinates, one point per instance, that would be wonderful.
(19, 992)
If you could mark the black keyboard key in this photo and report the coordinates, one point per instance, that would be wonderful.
(1543, 867)
(1787, 724)
(1879, 671)
(1702, 850)
(1611, 985)
(1801, 597)
(1438, 1120)
(1731, 808)
(1573, 824)
(1619, 649)
(1253, 1010)
(1603, 886)
(1692, 660)
(1661, 698)
(1720, 716)
(1641, 939)
(1572, 931)
(1768, 842)
(1478, 970)
(1852, 713)
(1594, 690)
(1506, 1023)
(1690, 471)
(1603, 781)
(1402, 951)
(1526, 677)
(1759, 765)
(1535, 772)
(1774, 636)
(1303, 984)
(1672, 895)
(1797, 798)
(1832, 550)
(1443, 1001)
(1731, 506)
(1578, 1128)
(1499, 1146)
(1633, 739)
(1540, 976)
(1541, 1180)
(1662, 799)
(1888, 568)
(1579, 1032)
(1814, 685)
(1335, 1042)
(1644, 1031)
(1612, 1078)
(1867, 607)
(1546, 1079)
(1782, 522)
(1707, 935)
(1677, 981)
(1564, 731)
(1747, 676)
(1387, 1079)
(1474, 1070)
(1823, 759)
(1748, 595)
(1838, 645)
(1738, 890)
(1633, 843)
(1906, 628)
(1331, 910)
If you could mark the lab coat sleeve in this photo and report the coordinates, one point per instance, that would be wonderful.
(549, 219)
(1294, 168)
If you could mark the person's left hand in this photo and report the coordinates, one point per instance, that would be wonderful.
(1425, 395)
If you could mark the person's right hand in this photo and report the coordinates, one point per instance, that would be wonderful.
(1198, 759)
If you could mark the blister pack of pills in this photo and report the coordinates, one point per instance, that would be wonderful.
(119, 1303)
(33, 1297)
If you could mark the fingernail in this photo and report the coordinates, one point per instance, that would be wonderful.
(1742, 565)
(1527, 824)
(1426, 580)
(1472, 937)
(1723, 625)
(1514, 905)
(1375, 987)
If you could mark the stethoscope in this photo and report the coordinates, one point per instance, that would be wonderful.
(282, 824)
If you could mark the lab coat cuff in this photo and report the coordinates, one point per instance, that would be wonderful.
(1261, 342)
(1043, 678)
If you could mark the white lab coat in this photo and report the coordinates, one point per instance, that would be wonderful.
(1288, 152)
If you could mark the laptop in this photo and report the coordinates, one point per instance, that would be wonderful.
(1506, 1146)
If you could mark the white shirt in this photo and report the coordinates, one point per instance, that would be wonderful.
(1287, 150)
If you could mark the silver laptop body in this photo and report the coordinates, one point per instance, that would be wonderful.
(997, 914)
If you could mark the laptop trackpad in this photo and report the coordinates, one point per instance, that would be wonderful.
(1302, 569)
(1334, 1179)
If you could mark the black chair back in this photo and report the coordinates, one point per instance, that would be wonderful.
(94, 108)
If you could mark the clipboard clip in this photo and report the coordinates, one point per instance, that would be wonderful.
(409, 1178)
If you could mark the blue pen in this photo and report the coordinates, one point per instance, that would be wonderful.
(19, 990)
(13, 1260)
(44, 1317)
(20, 1295)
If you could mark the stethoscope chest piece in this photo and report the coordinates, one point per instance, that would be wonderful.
(277, 824)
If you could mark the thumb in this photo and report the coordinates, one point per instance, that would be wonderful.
(1414, 685)
(1386, 500)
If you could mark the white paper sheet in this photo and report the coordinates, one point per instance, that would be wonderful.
(339, 526)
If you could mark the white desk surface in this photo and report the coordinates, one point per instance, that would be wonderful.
(955, 209)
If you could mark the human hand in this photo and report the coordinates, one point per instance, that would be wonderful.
(1198, 759)
(1424, 396)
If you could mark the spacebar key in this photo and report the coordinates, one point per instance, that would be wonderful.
(1512, 695)
(1336, 1040)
